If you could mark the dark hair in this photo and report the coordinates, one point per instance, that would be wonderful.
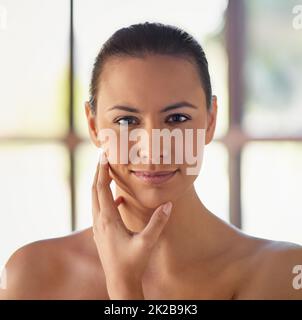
(140, 39)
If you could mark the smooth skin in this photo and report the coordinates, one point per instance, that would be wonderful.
(119, 249)
(133, 250)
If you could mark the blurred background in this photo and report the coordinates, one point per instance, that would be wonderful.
(252, 172)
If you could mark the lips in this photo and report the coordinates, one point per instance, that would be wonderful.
(154, 177)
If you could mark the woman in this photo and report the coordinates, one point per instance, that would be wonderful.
(156, 240)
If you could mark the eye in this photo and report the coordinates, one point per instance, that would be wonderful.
(125, 119)
(178, 118)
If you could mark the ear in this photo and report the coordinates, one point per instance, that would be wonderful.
(92, 126)
(211, 121)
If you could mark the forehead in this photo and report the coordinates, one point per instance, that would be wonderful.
(154, 79)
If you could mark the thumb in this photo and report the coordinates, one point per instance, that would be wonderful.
(156, 223)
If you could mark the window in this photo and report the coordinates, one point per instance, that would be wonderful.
(251, 171)
(34, 157)
(272, 117)
(264, 140)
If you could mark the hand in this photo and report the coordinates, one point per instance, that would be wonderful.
(124, 255)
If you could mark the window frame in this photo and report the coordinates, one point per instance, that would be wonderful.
(234, 139)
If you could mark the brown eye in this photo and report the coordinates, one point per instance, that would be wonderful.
(121, 121)
(178, 118)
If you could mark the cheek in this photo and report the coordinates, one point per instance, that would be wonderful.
(120, 174)
(194, 152)
(118, 148)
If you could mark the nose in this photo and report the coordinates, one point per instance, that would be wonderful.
(146, 155)
(151, 150)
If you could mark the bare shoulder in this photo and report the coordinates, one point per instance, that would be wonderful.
(273, 271)
(49, 269)
(31, 270)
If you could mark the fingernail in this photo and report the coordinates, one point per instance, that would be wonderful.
(167, 207)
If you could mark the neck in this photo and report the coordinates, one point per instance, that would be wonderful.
(184, 235)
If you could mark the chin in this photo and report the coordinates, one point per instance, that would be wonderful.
(152, 199)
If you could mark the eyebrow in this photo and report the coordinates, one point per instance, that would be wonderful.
(167, 108)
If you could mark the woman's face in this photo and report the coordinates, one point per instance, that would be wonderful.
(149, 85)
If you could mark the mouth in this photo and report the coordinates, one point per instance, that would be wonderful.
(154, 177)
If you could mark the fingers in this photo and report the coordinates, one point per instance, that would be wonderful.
(108, 207)
(106, 200)
(156, 224)
(95, 200)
